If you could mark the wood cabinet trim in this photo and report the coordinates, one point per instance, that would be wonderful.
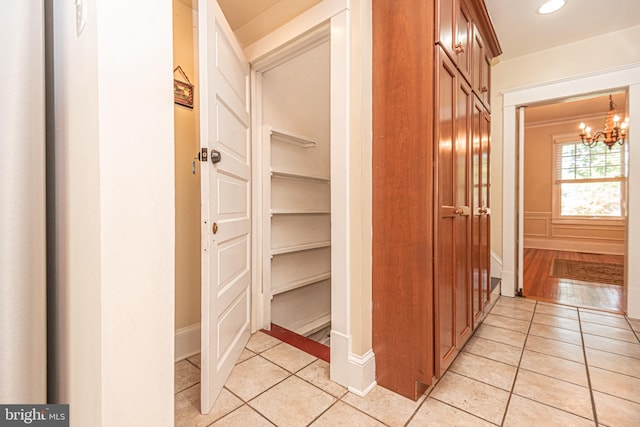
(483, 20)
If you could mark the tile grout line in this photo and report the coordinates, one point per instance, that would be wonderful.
(464, 410)
(636, 333)
(291, 374)
(323, 412)
(586, 366)
(426, 396)
(515, 378)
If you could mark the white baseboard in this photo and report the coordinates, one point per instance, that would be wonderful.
(496, 265)
(357, 373)
(362, 373)
(339, 366)
(575, 246)
(508, 284)
(187, 341)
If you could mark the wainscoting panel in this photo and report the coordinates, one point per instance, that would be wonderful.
(540, 232)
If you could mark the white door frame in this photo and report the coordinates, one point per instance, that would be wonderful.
(353, 371)
(627, 77)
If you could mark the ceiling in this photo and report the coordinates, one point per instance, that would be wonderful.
(252, 19)
(578, 109)
(522, 30)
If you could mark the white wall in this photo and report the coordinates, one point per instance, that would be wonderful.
(296, 99)
(22, 204)
(187, 146)
(115, 212)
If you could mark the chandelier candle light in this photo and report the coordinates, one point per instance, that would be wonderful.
(614, 131)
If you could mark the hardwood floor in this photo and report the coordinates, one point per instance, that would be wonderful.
(539, 285)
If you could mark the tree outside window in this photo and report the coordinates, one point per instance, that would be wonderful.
(590, 181)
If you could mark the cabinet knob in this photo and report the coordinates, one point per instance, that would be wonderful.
(458, 211)
(459, 48)
(484, 89)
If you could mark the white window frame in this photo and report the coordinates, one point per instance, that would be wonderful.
(556, 203)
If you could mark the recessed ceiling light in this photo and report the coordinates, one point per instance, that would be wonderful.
(551, 6)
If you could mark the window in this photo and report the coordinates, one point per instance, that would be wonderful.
(589, 182)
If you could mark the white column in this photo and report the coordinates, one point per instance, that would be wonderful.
(509, 206)
(633, 220)
(23, 337)
(520, 206)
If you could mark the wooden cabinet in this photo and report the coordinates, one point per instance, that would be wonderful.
(424, 142)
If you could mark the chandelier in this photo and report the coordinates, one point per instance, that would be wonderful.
(614, 130)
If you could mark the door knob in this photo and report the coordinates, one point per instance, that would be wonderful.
(215, 228)
(215, 156)
(458, 48)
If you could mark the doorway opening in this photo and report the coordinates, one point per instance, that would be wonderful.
(293, 115)
(229, 76)
(574, 206)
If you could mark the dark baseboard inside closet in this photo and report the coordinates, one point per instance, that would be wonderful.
(301, 342)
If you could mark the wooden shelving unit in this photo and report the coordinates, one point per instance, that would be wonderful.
(296, 284)
(299, 176)
(297, 248)
(292, 138)
(297, 251)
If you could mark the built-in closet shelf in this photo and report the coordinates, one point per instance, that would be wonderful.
(299, 176)
(297, 248)
(291, 138)
(300, 283)
(300, 211)
(314, 326)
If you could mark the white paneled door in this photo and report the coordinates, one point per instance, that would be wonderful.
(225, 195)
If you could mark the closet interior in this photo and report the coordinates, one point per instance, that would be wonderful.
(295, 123)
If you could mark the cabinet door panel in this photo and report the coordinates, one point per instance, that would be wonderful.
(446, 25)
(485, 232)
(463, 114)
(445, 267)
(452, 267)
(463, 42)
(481, 252)
(476, 203)
(481, 69)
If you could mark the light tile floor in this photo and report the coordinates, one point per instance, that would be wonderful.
(529, 364)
